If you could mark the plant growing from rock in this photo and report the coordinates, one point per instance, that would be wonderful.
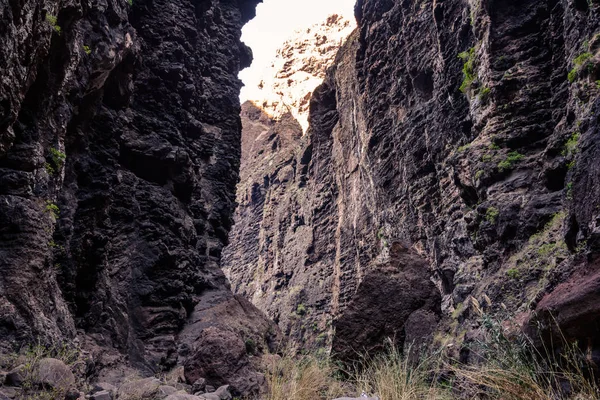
(511, 159)
(55, 161)
(53, 21)
(469, 75)
(491, 215)
(52, 209)
(571, 145)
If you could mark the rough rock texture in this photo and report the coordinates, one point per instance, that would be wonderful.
(466, 130)
(299, 67)
(119, 156)
(395, 300)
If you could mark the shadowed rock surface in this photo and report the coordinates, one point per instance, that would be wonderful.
(466, 130)
(119, 156)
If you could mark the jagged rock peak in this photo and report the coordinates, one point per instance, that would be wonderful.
(299, 67)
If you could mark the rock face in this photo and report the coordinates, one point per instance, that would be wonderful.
(119, 156)
(395, 300)
(299, 67)
(467, 131)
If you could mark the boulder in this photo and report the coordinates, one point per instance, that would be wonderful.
(165, 390)
(104, 386)
(102, 395)
(183, 396)
(223, 393)
(210, 396)
(139, 389)
(199, 385)
(9, 393)
(371, 318)
(55, 374)
(221, 355)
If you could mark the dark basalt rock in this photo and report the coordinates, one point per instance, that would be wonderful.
(496, 186)
(119, 156)
(396, 301)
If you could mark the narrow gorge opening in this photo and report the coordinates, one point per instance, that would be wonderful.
(293, 46)
(423, 178)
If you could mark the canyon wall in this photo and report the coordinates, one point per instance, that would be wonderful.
(119, 156)
(462, 134)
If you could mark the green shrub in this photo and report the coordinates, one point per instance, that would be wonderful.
(570, 190)
(52, 209)
(513, 273)
(511, 159)
(468, 69)
(301, 309)
(478, 174)
(484, 93)
(58, 157)
(572, 75)
(53, 21)
(491, 215)
(87, 49)
(582, 58)
(570, 147)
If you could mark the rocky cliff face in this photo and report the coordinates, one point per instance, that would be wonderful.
(466, 132)
(119, 155)
(299, 67)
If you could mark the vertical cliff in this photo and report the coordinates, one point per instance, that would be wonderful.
(462, 132)
(119, 156)
(299, 67)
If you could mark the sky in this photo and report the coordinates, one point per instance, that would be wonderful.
(275, 21)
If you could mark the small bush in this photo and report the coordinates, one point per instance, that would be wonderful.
(468, 69)
(570, 147)
(53, 21)
(250, 346)
(392, 376)
(484, 93)
(301, 309)
(513, 273)
(87, 49)
(572, 75)
(582, 58)
(512, 368)
(52, 209)
(56, 161)
(511, 159)
(491, 215)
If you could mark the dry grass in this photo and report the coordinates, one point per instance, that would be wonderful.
(513, 368)
(393, 377)
(302, 378)
(509, 367)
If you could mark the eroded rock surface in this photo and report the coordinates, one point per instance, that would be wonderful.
(299, 67)
(468, 131)
(119, 156)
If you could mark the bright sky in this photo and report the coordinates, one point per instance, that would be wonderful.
(275, 21)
